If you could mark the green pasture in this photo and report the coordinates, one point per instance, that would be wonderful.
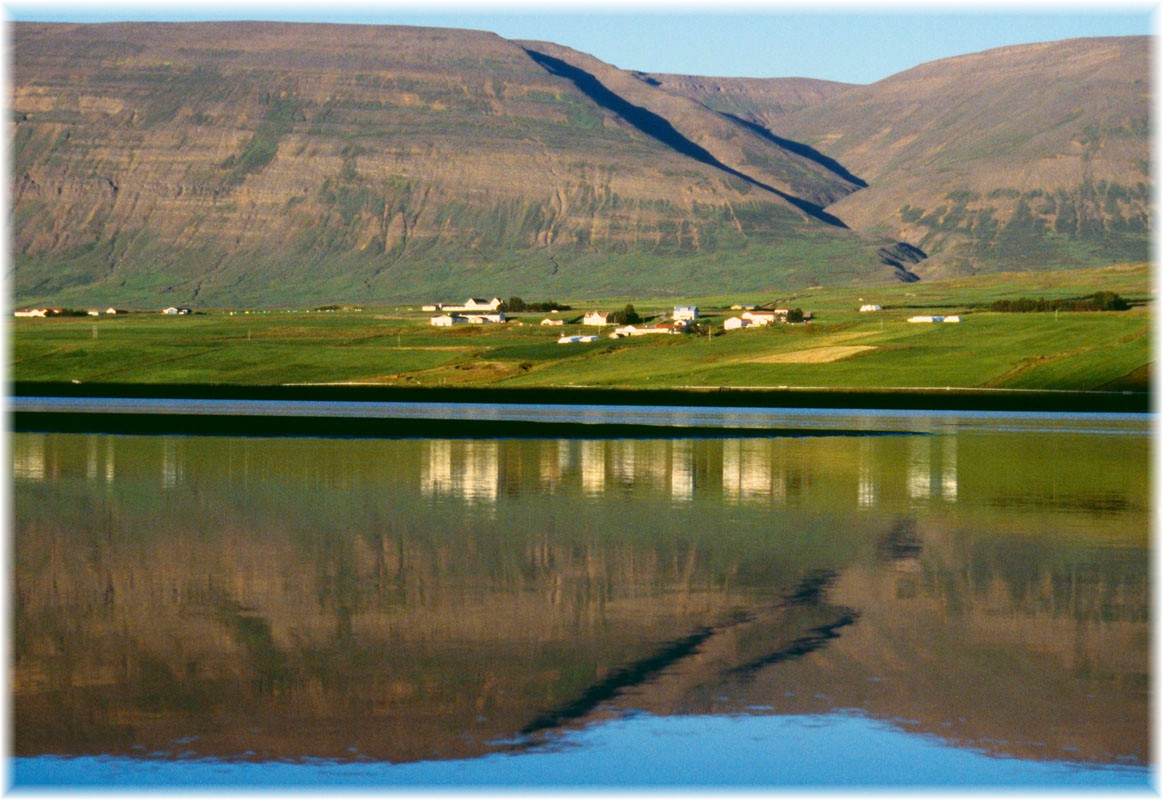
(842, 348)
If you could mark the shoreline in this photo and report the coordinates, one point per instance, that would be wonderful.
(475, 413)
(913, 399)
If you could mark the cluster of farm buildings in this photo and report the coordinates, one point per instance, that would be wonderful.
(92, 312)
(479, 311)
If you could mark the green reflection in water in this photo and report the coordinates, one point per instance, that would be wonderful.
(407, 600)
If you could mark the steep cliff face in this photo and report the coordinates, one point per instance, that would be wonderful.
(267, 164)
(219, 162)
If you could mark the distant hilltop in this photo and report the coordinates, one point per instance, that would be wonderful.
(266, 164)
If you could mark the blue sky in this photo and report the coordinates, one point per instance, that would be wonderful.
(855, 42)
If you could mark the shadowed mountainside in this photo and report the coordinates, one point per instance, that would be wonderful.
(1026, 157)
(262, 163)
(271, 164)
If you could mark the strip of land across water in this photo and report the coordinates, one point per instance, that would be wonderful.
(463, 412)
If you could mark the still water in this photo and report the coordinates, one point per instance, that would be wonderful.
(962, 601)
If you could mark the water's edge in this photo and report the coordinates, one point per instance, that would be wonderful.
(912, 399)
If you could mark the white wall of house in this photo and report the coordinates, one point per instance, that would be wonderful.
(761, 317)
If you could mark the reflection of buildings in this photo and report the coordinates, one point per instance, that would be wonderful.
(682, 474)
(635, 462)
(599, 465)
(436, 468)
(173, 470)
(593, 467)
(866, 488)
(747, 471)
(555, 461)
(469, 470)
(35, 458)
(28, 460)
(932, 469)
(624, 461)
(949, 470)
(99, 461)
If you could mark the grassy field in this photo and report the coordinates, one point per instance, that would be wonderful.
(841, 348)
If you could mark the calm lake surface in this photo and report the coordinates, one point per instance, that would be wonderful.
(960, 601)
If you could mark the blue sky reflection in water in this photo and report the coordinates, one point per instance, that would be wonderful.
(840, 750)
(962, 603)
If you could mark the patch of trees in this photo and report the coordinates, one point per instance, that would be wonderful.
(516, 305)
(1099, 301)
(627, 316)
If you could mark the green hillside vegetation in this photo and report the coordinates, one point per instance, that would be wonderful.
(841, 348)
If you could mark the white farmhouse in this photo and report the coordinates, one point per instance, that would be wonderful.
(634, 330)
(596, 318)
(764, 317)
(471, 304)
(686, 312)
(485, 318)
(478, 304)
(447, 320)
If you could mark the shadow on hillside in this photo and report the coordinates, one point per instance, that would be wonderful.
(659, 129)
(800, 149)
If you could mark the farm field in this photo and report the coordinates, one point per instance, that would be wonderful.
(840, 348)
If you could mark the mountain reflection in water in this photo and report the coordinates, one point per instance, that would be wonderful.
(411, 600)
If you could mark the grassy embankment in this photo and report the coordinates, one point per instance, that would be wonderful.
(841, 349)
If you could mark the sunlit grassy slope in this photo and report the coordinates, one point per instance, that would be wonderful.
(842, 348)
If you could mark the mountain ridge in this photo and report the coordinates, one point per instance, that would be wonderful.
(292, 162)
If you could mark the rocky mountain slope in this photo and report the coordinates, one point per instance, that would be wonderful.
(268, 164)
(1026, 157)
